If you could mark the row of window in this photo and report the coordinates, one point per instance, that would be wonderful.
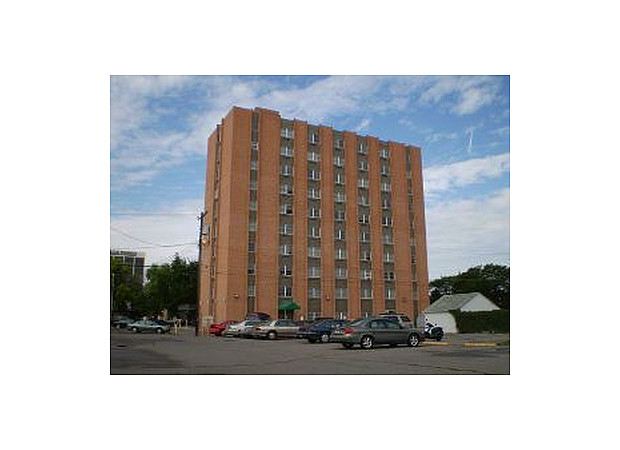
(313, 138)
(315, 292)
(287, 169)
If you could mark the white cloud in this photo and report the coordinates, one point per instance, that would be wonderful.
(365, 123)
(450, 176)
(140, 150)
(466, 233)
(172, 224)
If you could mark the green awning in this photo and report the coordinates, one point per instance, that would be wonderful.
(288, 305)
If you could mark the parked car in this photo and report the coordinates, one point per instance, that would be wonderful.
(148, 325)
(257, 316)
(401, 319)
(217, 329)
(236, 328)
(121, 322)
(248, 330)
(373, 331)
(320, 331)
(275, 329)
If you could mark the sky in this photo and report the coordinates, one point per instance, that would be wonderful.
(159, 126)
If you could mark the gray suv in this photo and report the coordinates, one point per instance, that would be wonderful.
(400, 319)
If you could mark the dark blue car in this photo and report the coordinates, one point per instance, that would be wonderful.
(320, 331)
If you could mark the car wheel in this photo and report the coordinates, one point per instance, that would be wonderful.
(366, 342)
(312, 341)
(414, 340)
(271, 335)
(159, 331)
(134, 329)
(324, 338)
(118, 326)
(347, 345)
(439, 337)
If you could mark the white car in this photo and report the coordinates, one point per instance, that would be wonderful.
(237, 328)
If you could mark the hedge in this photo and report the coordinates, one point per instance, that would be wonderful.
(497, 321)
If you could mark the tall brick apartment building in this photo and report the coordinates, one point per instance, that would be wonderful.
(299, 215)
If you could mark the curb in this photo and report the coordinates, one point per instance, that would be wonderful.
(440, 343)
(480, 344)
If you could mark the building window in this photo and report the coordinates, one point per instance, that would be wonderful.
(361, 148)
(251, 269)
(286, 271)
(286, 189)
(339, 178)
(390, 294)
(314, 193)
(364, 236)
(362, 165)
(285, 150)
(314, 213)
(365, 255)
(363, 200)
(314, 138)
(255, 146)
(362, 183)
(286, 250)
(251, 290)
(253, 185)
(341, 254)
(366, 274)
(252, 226)
(340, 197)
(339, 215)
(339, 143)
(286, 291)
(339, 161)
(314, 252)
(314, 272)
(251, 247)
(387, 239)
(314, 292)
(314, 175)
(385, 203)
(287, 133)
(385, 187)
(286, 170)
(286, 229)
(313, 156)
(315, 232)
(364, 218)
(386, 221)
(388, 276)
(286, 208)
(253, 205)
(253, 165)
(340, 234)
(366, 293)
(388, 257)
(341, 273)
(383, 153)
(341, 293)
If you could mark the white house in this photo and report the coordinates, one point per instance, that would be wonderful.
(439, 312)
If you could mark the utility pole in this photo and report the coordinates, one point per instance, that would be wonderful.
(199, 317)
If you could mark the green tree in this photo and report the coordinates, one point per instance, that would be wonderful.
(124, 287)
(171, 285)
(491, 280)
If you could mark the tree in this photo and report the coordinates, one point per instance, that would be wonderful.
(171, 285)
(124, 287)
(491, 280)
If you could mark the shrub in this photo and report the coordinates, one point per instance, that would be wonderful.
(497, 321)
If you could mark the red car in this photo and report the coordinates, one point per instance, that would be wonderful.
(218, 328)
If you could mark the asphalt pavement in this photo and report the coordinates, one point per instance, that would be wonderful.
(187, 354)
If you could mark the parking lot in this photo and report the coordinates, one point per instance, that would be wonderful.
(187, 354)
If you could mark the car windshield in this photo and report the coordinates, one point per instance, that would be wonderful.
(357, 323)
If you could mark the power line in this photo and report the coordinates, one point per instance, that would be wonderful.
(148, 242)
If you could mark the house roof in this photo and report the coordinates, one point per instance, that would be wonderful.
(451, 302)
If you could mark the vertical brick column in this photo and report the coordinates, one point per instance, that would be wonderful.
(351, 226)
(232, 264)
(376, 236)
(419, 229)
(268, 217)
(300, 218)
(328, 301)
(400, 228)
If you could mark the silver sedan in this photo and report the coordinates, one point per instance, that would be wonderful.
(373, 331)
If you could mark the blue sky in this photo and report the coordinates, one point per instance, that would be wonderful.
(159, 127)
